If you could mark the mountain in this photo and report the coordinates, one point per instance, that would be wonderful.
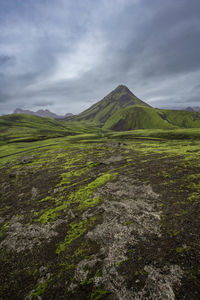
(114, 102)
(121, 110)
(193, 108)
(188, 108)
(41, 113)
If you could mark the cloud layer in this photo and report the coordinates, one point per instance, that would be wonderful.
(65, 55)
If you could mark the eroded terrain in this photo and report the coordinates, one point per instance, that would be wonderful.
(111, 220)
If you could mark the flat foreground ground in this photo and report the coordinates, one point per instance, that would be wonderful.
(102, 220)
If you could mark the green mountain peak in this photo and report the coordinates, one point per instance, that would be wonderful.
(118, 99)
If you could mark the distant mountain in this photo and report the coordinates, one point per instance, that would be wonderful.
(188, 108)
(193, 108)
(41, 113)
(114, 102)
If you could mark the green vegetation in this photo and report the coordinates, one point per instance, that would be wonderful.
(182, 249)
(40, 289)
(84, 195)
(77, 229)
(136, 117)
(98, 294)
(3, 229)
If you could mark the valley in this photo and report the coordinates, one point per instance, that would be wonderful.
(102, 206)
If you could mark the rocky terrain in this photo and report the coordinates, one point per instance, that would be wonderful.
(103, 220)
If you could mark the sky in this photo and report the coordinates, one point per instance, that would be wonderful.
(65, 55)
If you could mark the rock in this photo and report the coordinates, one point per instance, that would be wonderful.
(34, 192)
(26, 159)
(21, 237)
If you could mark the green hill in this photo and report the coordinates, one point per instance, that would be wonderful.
(137, 117)
(114, 102)
(181, 118)
(28, 128)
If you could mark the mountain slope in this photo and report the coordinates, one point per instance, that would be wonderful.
(141, 117)
(137, 117)
(114, 102)
(181, 118)
(26, 128)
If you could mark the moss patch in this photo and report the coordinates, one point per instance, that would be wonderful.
(76, 230)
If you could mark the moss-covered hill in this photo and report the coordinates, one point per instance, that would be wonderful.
(141, 117)
(181, 118)
(27, 128)
(122, 110)
(114, 102)
(137, 117)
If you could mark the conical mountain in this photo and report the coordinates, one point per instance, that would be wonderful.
(114, 102)
(121, 110)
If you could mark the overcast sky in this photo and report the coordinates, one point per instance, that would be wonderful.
(65, 55)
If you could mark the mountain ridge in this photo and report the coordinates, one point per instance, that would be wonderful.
(45, 113)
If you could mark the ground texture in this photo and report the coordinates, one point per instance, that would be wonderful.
(110, 220)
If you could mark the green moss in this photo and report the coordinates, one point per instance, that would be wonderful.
(129, 222)
(40, 289)
(90, 202)
(84, 195)
(87, 282)
(3, 229)
(46, 199)
(182, 249)
(181, 213)
(194, 197)
(98, 294)
(98, 273)
(50, 214)
(66, 177)
(163, 219)
(78, 252)
(77, 230)
(122, 261)
(173, 233)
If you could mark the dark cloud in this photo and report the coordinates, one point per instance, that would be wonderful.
(42, 103)
(6, 60)
(68, 54)
(197, 87)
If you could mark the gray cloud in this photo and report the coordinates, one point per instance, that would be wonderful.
(66, 55)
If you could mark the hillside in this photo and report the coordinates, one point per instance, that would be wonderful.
(114, 102)
(27, 128)
(141, 117)
(181, 118)
(136, 117)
